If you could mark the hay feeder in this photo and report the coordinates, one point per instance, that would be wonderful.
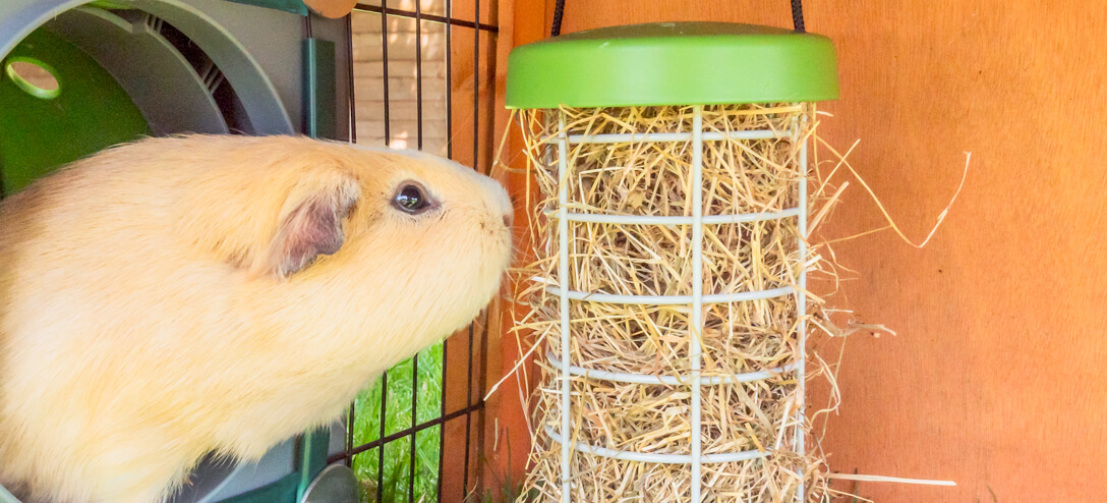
(670, 281)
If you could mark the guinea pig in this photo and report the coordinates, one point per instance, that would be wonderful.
(172, 297)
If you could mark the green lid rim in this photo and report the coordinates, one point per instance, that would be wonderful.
(662, 64)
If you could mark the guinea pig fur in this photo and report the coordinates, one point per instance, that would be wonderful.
(172, 297)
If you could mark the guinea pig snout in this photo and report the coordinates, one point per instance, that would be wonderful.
(498, 201)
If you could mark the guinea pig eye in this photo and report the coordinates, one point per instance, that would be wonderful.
(411, 199)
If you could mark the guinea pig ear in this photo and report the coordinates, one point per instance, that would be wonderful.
(310, 223)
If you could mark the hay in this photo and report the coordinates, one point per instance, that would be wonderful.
(655, 179)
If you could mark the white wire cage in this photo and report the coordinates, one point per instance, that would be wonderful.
(561, 240)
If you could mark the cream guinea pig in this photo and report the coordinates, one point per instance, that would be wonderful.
(175, 296)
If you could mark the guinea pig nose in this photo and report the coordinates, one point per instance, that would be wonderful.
(508, 219)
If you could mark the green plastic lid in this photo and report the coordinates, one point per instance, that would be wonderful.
(672, 64)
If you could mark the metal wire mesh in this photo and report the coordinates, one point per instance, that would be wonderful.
(388, 117)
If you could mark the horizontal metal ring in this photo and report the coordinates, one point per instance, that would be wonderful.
(668, 379)
(752, 134)
(673, 459)
(599, 218)
(669, 300)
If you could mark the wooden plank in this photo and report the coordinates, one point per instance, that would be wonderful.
(403, 110)
(401, 46)
(401, 69)
(370, 22)
(403, 129)
(400, 89)
(430, 6)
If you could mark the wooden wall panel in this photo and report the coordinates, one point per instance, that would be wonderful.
(402, 81)
(996, 378)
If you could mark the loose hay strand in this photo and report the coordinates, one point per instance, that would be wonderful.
(892, 223)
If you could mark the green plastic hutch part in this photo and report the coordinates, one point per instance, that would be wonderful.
(89, 112)
(689, 63)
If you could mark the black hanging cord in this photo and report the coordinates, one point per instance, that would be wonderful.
(559, 12)
(797, 16)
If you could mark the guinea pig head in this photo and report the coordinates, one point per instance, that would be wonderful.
(404, 245)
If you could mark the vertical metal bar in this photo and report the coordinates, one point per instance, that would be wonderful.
(351, 104)
(380, 450)
(563, 279)
(482, 375)
(489, 125)
(801, 308)
(384, 62)
(387, 140)
(414, 422)
(419, 146)
(450, 80)
(418, 76)
(476, 166)
(482, 367)
(351, 100)
(449, 155)
(468, 418)
(696, 351)
(350, 435)
(442, 427)
(476, 86)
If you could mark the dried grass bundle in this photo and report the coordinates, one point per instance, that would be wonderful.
(647, 178)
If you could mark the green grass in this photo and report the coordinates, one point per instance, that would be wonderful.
(397, 454)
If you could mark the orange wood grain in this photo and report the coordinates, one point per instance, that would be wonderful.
(996, 379)
(498, 436)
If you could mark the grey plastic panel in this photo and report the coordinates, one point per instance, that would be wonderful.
(272, 38)
(263, 105)
(7, 497)
(335, 484)
(163, 85)
(215, 480)
(197, 20)
(338, 437)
